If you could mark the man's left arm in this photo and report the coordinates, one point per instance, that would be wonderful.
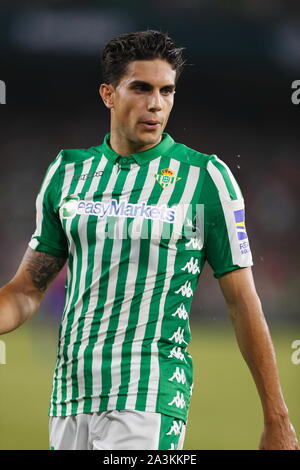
(256, 346)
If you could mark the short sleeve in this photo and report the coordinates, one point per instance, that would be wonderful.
(49, 235)
(226, 242)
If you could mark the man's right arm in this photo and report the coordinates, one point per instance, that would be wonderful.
(21, 297)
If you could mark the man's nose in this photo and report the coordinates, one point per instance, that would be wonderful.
(155, 101)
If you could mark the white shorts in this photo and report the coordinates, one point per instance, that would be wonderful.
(116, 430)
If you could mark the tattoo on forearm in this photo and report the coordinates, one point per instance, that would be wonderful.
(42, 267)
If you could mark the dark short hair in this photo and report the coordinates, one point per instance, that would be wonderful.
(141, 45)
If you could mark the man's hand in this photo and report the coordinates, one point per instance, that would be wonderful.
(279, 435)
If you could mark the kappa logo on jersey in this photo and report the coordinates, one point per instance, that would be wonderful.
(71, 206)
(178, 401)
(181, 312)
(85, 176)
(176, 428)
(179, 375)
(166, 178)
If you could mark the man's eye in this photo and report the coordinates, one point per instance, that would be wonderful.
(166, 91)
(140, 88)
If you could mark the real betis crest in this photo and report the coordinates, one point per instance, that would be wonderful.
(166, 178)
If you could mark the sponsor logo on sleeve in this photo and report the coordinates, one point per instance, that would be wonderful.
(239, 216)
(240, 224)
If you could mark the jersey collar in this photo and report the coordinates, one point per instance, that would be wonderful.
(141, 157)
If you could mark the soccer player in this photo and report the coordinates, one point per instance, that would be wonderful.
(136, 218)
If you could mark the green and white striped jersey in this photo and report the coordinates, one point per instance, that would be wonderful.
(136, 231)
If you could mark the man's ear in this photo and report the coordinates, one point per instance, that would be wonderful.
(106, 92)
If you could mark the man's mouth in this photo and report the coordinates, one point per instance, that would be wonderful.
(150, 124)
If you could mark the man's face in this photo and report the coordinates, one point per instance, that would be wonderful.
(142, 101)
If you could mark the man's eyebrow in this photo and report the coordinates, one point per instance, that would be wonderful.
(148, 85)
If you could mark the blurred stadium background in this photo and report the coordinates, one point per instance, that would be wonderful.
(234, 100)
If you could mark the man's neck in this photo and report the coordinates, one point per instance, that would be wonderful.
(125, 147)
